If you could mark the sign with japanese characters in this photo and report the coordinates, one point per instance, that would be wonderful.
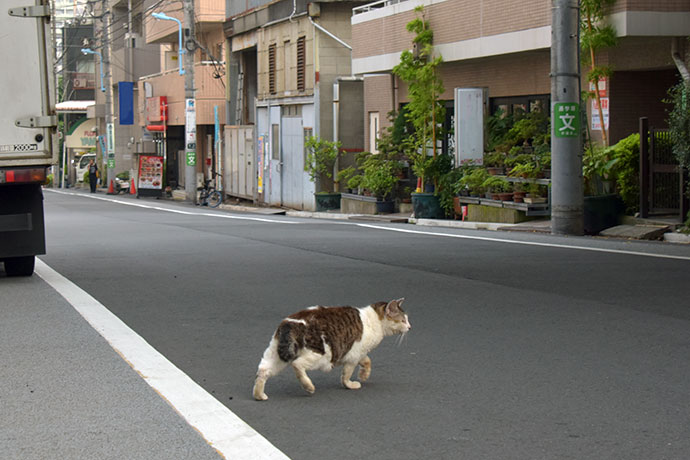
(596, 119)
(566, 119)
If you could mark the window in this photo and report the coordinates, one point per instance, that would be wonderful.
(272, 69)
(275, 142)
(374, 119)
(308, 132)
(301, 63)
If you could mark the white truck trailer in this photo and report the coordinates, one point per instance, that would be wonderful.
(27, 130)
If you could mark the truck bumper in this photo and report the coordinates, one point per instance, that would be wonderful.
(22, 230)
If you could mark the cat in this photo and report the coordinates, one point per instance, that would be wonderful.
(324, 337)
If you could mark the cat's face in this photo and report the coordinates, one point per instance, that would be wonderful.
(396, 319)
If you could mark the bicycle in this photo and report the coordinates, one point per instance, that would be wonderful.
(209, 196)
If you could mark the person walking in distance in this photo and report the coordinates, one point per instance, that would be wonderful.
(93, 175)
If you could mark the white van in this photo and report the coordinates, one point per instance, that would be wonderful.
(83, 165)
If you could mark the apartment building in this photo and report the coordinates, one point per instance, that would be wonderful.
(289, 77)
(161, 96)
(504, 46)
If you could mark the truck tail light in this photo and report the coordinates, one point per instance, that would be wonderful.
(22, 175)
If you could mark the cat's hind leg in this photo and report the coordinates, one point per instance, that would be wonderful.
(364, 369)
(348, 369)
(310, 360)
(269, 366)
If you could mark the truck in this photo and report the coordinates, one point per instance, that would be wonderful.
(28, 128)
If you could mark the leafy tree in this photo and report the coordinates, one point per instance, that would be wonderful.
(595, 35)
(418, 69)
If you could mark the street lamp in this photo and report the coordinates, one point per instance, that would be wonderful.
(100, 56)
(180, 49)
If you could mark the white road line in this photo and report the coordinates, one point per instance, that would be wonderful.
(527, 243)
(220, 427)
(176, 211)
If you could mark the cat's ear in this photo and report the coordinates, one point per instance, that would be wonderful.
(393, 307)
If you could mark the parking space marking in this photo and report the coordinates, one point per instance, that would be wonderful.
(228, 434)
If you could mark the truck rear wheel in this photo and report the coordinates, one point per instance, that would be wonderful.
(20, 266)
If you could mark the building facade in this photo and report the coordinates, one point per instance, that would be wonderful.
(504, 46)
(289, 77)
(161, 95)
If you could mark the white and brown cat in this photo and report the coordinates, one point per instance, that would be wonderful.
(325, 337)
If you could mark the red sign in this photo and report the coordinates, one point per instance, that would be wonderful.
(150, 172)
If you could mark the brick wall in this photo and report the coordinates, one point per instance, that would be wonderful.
(452, 21)
(378, 97)
(651, 5)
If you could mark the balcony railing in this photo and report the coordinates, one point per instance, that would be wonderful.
(375, 6)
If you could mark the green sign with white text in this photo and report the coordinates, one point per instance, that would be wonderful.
(191, 158)
(566, 119)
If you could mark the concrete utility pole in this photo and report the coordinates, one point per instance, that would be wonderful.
(109, 114)
(189, 103)
(567, 200)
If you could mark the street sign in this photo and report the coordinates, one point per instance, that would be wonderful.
(566, 119)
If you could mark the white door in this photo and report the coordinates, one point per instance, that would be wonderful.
(292, 140)
(276, 166)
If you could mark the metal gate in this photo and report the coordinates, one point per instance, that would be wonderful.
(292, 142)
(661, 179)
(239, 152)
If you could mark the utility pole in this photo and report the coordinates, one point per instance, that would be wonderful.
(190, 102)
(567, 200)
(109, 114)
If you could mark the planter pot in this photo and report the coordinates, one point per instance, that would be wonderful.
(362, 204)
(495, 171)
(327, 201)
(426, 206)
(505, 196)
(519, 197)
(601, 212)
(496, 196)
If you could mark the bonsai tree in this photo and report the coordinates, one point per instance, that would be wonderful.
(321, 159)
(417, 68)
(496, 184)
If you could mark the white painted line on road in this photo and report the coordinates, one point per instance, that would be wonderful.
(527, 243)
(220, 427)
(176, 211)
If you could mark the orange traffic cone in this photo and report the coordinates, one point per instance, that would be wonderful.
(132, 189)
(111, 189)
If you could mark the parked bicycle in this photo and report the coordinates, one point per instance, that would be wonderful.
(209, 196)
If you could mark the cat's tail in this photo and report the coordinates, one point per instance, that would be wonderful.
(287, 344)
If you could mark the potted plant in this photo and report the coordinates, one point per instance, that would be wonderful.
(473, 181)
(380, 176)
(497, 187)
(534, 194)
(519, 193)
(494, 163)
(321, 160)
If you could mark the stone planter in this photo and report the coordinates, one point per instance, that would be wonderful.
(427, 206)
(327, 201)
(362, 204)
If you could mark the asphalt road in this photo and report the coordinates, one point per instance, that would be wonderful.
(522, 346)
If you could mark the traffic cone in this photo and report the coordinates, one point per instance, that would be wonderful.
(111, 189)
(132, 190)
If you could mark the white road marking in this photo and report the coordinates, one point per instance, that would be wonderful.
(176, 211)
(219, 426)
(527, 243)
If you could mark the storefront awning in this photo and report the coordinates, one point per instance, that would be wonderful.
(73, 106)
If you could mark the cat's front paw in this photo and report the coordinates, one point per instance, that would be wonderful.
(364, 374)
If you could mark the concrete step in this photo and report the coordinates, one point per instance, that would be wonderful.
(637, 232)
